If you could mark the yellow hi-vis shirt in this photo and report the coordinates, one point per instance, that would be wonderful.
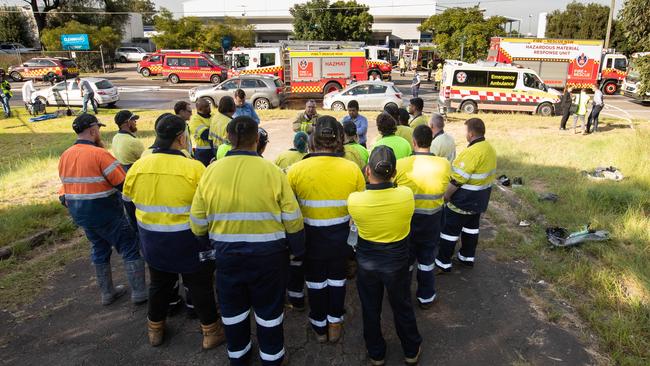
(322, 183)
(428, 177)
(126, 147)
(405, 132)
(200, 128)
(417, 121)
(288, 158)
(246, 207)
(218, 134)
(473, 171)
(382, 213)
(352, 154)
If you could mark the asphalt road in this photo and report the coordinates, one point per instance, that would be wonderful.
(137, 92)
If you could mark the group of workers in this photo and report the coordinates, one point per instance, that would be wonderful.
(578, 105)
(203, 204)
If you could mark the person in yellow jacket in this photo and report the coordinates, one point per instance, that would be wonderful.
(245, 207)
(427, 176)
(200, 131)
(438, 77)
(305, 120)
(582, 100)
(295, 154)
(467, 197)
(382, 214)
(322, 182)
(219, 122)
(416, 105)
(5, 95)
(162, 186)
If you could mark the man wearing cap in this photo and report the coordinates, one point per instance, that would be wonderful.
(443, 144)
(322, 197)
(305, 120)
(382, 214)
(92, 180)
(200, 130)
(387, 127)
(467, 196)
(416, 105)
(162, 187)
(126, 147)
(254, 229)
(428, 177)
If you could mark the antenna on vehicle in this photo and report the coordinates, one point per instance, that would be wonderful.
(68, 112)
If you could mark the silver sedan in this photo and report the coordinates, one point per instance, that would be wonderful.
(262, 91)
(371, 96)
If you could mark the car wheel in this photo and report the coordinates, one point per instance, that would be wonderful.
(262, 103)
(338, 106)
(122, 59)
(469, 107)
(111, 105)
(330, 87)
(390, 105)
(210, 100)
(174, 79)
(145, 72)
(16, 76)
(42, 100)
(545, 110)
(215, 79)
(610, 87)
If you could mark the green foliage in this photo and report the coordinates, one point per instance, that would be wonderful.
(636, 24)
(14, 27)
(578, 21)
(339, 21)
(463, 25)
(242, 33)
(146, 7)
(642, 65)
(90, 12)
(105, 36)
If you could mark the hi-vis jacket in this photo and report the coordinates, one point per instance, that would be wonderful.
(200, 131)
(244, 204)
(322, 183)
(162, 187)
(92, 179)
(218, 134)
(473, 171)
(428, 177)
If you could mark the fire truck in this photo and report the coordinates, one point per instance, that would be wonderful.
(417, 55)
(633, 80)
(304, 66)
(378, 61)
(563, 62)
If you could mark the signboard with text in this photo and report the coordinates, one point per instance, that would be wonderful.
(75, 42)
(305, 69)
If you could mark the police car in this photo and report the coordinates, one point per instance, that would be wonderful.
(469, 88)
(44, 68)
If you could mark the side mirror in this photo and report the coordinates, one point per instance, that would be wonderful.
(24, 65)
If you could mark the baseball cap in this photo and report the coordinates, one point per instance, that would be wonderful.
(382, 162)
(124, 116)
(168, 129)
(85, 121)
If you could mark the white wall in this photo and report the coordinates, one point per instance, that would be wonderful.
(133, 27)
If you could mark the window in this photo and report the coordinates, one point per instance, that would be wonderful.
(32, 63)
(186, 62)
(104, 84)
(620, 64)
(155, 58)
(248, 84)
(359, 90)
(232, 84)
(121, 50)
(532, 81)
(260, 84)
(203, 62)
(382, 55)
(73, 85)
(502, 79)
(377, 89)
(68, 63)
(46, 63)
(172, 61)
(470, 78)
(267, 59)
(608, 64)
(242, 61)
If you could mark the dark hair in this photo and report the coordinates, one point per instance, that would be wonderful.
(386, 124)
(155, 124)
(242, 131)
(349, 128)
(227, 105)
(180, 106)
(300, 141)
(476, 125)
(423, 136)
(418, 103)
(382, 162)
(404, 117)
(239, 93)
(392, 110)
(353, 104)
(263, 140)
(327, 135)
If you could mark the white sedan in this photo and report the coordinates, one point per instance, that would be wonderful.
(68, 93)
(371, 96)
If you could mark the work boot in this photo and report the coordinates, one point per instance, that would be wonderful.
(412, 361)
(105, 283)
(156, 332)
(213, 335)
(334, 332)
(374, 362)
(321, 338)
(135, 274)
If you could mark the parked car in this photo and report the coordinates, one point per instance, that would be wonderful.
(68, 93)
(262, 91)
(44, 68)
(151, 65)
(130, 54)
(13, 47)
(371, 95)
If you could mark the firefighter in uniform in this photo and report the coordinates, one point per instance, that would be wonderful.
(92, 180)
(200, 131)
(428, 177)
(253, 228)
(322, 196)
(467, 196)
(162, 187)
(305, 120)
(382, 214)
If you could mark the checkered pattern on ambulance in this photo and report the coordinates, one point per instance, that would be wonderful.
(493, 96)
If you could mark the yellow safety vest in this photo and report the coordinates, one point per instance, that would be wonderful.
(428, 177)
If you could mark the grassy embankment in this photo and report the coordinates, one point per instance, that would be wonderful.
(608, 283)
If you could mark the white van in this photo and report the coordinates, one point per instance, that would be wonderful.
(469, 88)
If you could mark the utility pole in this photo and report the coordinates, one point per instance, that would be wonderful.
(462, 47)
(609, 23)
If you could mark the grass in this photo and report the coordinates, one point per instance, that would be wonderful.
(608, 283)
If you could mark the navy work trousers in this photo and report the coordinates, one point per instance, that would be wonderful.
(457, 226)
(425, 235)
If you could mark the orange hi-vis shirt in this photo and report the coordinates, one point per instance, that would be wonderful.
(92, 180)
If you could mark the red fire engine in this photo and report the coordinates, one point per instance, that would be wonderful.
(563, 62)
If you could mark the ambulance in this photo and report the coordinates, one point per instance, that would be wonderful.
(470, 88)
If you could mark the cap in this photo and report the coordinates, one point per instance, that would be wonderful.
(382, 162)
(124, 116)
(349, 128)
(85, 121)
(168, 129)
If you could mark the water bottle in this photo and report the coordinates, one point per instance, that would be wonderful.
(353, 236)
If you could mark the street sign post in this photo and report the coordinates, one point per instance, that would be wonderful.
(75, 42)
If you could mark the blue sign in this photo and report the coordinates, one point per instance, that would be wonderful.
(71, 42)
(226, 42)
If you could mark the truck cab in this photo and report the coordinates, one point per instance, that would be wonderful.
(378, 61)
(612, 73)
(254, 61)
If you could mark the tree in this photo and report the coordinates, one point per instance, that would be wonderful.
(186, 32)
(242, 34)
(104, 36)
(339, 21)
(91, 12)
(14, 27)
(635, 24)
(463, 26)
(578, 21)
(642, 66)
(145, 7)
(40, 12)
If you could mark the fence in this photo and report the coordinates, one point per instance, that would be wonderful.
(88, 61)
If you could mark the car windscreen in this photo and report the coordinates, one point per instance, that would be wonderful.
(68, 63)
(103, 84)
